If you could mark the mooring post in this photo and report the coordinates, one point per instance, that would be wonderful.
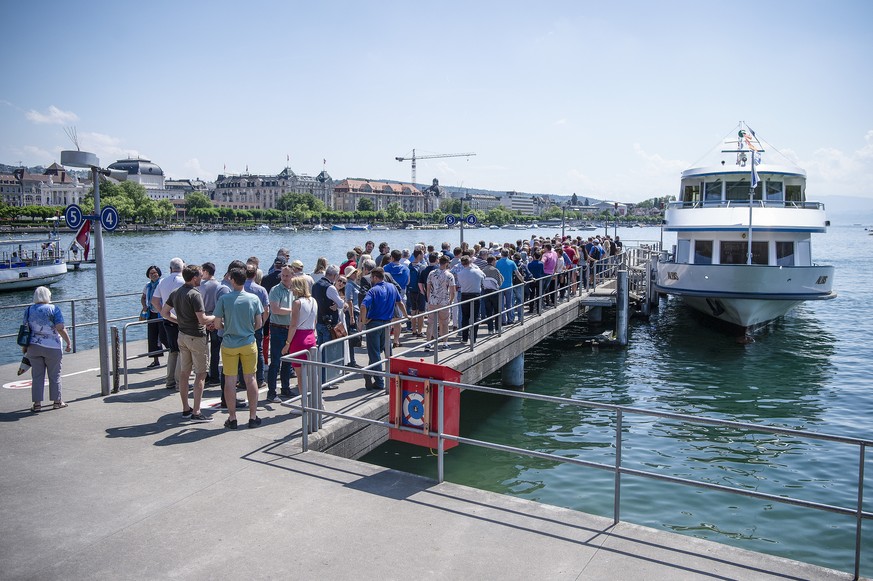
(622, 300)
(512, 374)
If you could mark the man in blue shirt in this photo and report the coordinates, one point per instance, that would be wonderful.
(377, 309)
(509, 270)
(400, 273)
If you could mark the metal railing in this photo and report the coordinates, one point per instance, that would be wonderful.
(72, 324)
(313, 414)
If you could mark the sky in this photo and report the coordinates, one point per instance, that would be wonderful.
(610, 100)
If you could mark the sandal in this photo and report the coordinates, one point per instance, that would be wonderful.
(36, 407)
(58, 405)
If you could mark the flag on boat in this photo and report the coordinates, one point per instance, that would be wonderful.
(83, 237)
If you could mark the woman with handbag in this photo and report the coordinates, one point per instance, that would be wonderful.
(46, 324)
(155, 330)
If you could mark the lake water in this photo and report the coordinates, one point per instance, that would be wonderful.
(810, 370)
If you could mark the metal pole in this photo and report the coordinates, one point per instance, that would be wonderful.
(860, 510)
(440, 426)
(751, 201)
(616, 495)
(563, 222)
(102, 338)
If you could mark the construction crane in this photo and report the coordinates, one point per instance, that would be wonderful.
(414, 157)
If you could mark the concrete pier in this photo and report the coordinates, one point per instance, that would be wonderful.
(120, 487)
(512, 374)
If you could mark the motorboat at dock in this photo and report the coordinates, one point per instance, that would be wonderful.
(744, 252)
(29, 263)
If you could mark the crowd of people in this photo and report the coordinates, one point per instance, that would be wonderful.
(250, 319)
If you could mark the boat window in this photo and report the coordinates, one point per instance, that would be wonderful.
(703, 252)
(785, 253)
(793, 194)
(774, 191)
(691, 194)
(735, 252)
(713, 191)
(740, 191)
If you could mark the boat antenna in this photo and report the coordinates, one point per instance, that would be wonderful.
(73, 135)
(717, 145)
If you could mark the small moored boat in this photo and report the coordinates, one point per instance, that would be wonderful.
(30, 263)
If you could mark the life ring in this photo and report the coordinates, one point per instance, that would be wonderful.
(413, 409)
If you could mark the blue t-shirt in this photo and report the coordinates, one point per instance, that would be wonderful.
(536, 269)
(42, 319)
(399, 272)
(506, 267)
(380, 301)
(238, 310)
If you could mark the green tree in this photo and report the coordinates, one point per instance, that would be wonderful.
(197, 200)
(165, 210)
(365, 205)
(395, 213)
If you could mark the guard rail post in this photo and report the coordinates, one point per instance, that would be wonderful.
(115, 354)
(73, 322)
(616, 494)
(440, 424)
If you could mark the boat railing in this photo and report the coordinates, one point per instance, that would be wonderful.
(745, 204)
(621, 420)
(71, 309)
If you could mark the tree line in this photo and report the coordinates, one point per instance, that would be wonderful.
(135, 206)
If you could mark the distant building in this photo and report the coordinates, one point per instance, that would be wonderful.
(54, 187)
(614, 208)
(149, 175)
(526, 204)
(348, 194)
(187, 186)
(249, 192)
(482, 202)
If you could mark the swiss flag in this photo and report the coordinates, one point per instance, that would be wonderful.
(83, 236)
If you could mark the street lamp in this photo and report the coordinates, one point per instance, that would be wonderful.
(87, 160)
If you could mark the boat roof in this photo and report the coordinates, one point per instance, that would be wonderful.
(728, 170)
(17, 241)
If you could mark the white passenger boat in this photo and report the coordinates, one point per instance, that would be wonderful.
(744, 250)
(31, 263)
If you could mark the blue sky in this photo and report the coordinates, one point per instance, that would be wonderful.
(554, 97)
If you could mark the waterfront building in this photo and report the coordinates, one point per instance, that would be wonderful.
(614, 208)
(53, 187)
(482, 202)
(249, 192)
(348, 194)
(526, 204)
(149, 175)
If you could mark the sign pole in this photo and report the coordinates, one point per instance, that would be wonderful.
(102, 331)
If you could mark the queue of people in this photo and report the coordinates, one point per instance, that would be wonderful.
(250, 320)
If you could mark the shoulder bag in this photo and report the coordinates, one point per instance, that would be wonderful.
(24, 330)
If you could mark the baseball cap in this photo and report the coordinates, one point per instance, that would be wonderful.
(296, 264)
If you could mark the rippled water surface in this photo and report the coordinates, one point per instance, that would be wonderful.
(810, 370)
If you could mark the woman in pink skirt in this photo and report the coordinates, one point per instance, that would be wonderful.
(301, 331)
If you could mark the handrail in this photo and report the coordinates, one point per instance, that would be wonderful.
(596, 273)
(620, 411)
(73, 324)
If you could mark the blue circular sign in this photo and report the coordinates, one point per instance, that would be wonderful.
(109, 218)
(471, 219)
(450, 220)
(73, 216)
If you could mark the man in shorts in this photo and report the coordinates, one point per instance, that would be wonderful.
(184, 307)
(239, 313)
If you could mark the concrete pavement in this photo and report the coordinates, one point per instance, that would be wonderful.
(119, 487)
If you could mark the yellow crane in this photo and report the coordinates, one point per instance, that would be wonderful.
(434, 156)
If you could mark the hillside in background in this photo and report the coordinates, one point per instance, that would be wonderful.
(847, 210)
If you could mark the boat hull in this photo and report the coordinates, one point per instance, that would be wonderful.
(12, 279)
(745, 295)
